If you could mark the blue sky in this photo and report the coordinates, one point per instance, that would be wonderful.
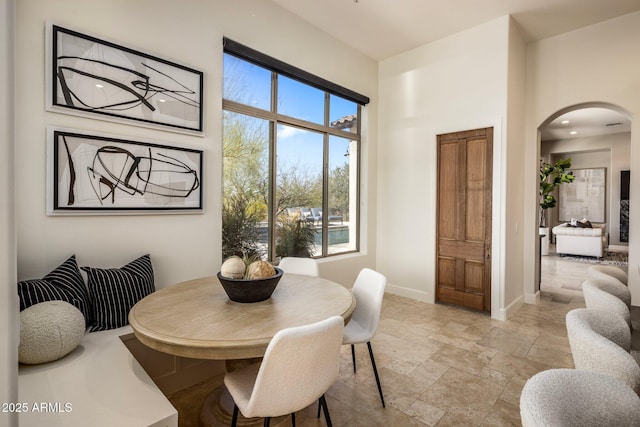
(295, 146)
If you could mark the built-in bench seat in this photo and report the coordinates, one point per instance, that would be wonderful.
(99, 383)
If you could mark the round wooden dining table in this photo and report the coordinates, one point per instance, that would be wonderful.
(196, 319)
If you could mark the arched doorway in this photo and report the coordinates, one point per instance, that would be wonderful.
(597, 138)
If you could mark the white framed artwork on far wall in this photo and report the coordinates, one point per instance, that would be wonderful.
(585, 197)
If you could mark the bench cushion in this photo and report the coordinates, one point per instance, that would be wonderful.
(99, 384)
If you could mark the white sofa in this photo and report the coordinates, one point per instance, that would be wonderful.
(580, 241)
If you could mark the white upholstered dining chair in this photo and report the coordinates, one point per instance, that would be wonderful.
(368, 291)
(612, 287)
(571, 397)
(295, 265)
(298, 367)
(607, 272)
(601, 342)
(596, 297)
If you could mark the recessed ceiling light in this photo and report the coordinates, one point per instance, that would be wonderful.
(565, 122)
(573, 132)
(99, 86)
(162, 100)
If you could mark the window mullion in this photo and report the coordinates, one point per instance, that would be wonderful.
(248, 110)
(358, 172)
(325, 196)
(272, 168)
(325, 180)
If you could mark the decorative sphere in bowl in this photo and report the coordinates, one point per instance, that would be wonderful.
(250, 290)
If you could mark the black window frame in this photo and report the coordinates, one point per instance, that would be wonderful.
(277, 67)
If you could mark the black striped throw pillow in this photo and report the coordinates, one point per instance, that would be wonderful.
(65, 283)
(114, 291)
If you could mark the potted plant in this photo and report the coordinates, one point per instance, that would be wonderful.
(551, 176)
(295, 237)
(240, 232)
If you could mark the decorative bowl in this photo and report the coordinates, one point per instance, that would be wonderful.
(250, 290)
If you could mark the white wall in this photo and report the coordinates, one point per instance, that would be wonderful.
(454, 84)
(593, 64)
(190, 32)
(8, 295)
(512, 200)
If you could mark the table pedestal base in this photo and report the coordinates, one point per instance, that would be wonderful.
(217, 409)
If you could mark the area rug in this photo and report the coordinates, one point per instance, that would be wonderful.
(610, 258)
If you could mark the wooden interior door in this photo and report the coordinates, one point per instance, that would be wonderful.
(463, 268)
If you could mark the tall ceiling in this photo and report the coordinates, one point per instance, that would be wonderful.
(384, 28)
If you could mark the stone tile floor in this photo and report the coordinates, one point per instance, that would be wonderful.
(439, 366)
(564, 276)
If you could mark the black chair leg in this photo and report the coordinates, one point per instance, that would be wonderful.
(327, 418)
(267, 421)
(319, 407)
(353, 357)
(375, 372)
(293, 419)
(234, 418)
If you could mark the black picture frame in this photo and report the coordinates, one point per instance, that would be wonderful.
(90, 173)
(625, 182)
(96, 78)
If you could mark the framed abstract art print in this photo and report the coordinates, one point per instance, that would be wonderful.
(96, 78)
(90, 173)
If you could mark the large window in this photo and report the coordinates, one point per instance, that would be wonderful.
(291, 149)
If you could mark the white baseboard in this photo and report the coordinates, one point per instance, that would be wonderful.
(410, 293)
(502, 314)
(532, 298)
(618, 248)
(510, 310)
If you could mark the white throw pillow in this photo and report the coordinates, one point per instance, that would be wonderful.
(49, 331)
